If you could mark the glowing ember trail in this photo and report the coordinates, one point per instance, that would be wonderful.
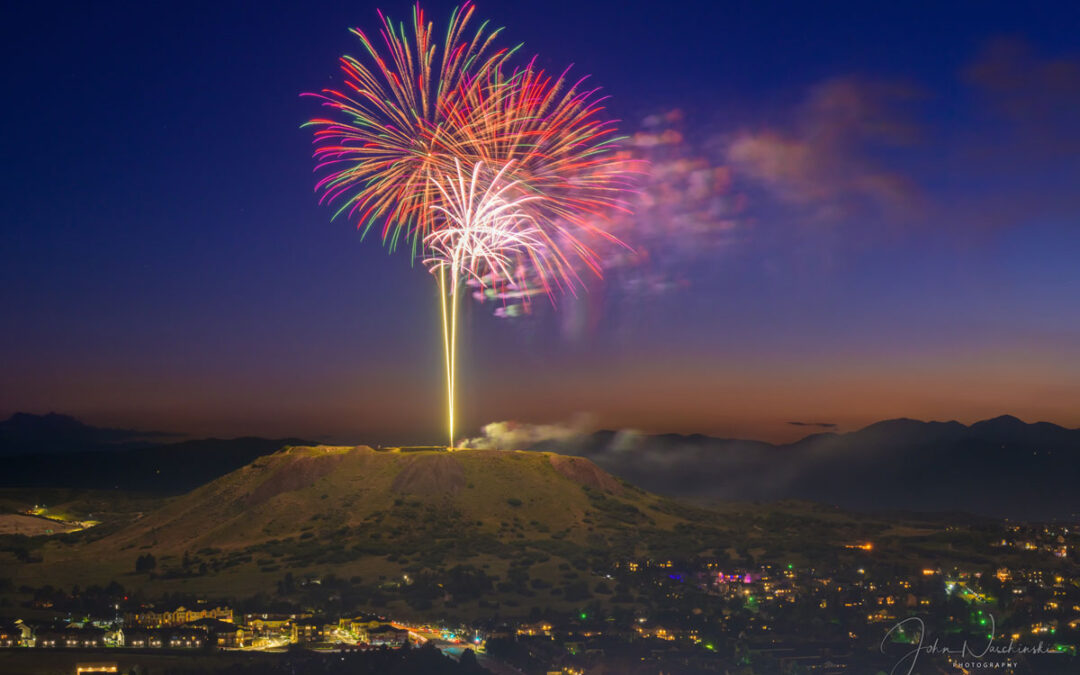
(484, 235)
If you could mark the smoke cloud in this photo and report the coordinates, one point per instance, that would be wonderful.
(511, 435)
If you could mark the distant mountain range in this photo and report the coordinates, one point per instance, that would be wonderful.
(23, 433)
(1000, 467)
(60, 451)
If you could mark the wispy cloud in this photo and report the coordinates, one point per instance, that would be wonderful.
(820, 425)
(1002, 152)
(1039, 97)
(1017, 152)
(827, 163)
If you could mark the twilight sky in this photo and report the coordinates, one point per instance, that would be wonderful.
(859, 212)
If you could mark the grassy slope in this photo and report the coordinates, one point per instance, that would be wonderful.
(326, 488)
(361, 512)
(375, 516)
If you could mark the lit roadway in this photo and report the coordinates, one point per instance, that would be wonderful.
(454, 648)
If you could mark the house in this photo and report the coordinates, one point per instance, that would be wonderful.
(16, 634)
(59, 635)
(49, 635)
(307, 631)
(157, 639)
(178, 617)
(114, 636)
(358, 626)
(84, 637)
(136, 639)
(185, 638)
(222, 634)
(387, 635)
(270, 625)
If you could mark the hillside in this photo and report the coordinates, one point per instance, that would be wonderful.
(324, 489)
(461, 532)
(480, 522)
(468, 533)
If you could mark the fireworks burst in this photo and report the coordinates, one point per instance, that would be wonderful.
(546, 170)
(551, 135)
(392, 129)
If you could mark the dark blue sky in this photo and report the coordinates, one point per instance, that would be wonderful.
(905, 239)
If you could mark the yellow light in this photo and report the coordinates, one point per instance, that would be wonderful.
(449, 345)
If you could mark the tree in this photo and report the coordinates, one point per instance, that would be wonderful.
(145, 563)
(468, 660)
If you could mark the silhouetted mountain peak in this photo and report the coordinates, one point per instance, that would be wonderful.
(27, 425)
(819, 437)
(53, 432)
(1001, 421)
(906, 430)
